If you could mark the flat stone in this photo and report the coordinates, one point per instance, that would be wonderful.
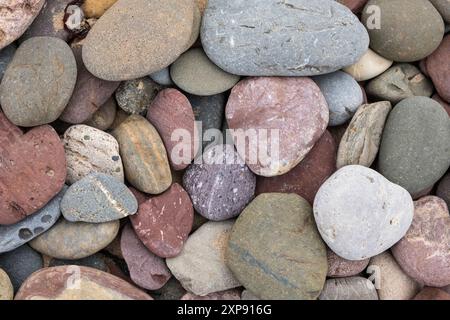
(75, 240)
(146, 269)
(438, 68)
(90, 150)
(143, 155)
(134, 96)
(6, 56)
(135, 38)
(443, 189)
(444, 9)
(424, 252)
(6, 288)
(415, 148)
(96, 261)
(369, 66)
(221, 186)
(238, 41)
(360, 214)
(432, 294)
(261, 255)
(163, 222)
(33, 166)
(361, 140)
(200, 267)
(104, 117)
(91, 284)
(307, 177)
(352, 288)
(279, 106)
(162, 77)
(339, 267)
(232, 294)
(39, 82)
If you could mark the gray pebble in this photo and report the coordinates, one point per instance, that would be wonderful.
(162, 77)
(135, 96)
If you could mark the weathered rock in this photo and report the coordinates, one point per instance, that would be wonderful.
(104, 117)
(261, 255)
(6, 56)
(134, 96)
(432, 294)
(368, 67)
(6, 288)
(162, 77)
(352, 288)
(339, 267)
(232, 294)
(438, 68)
(443, 189)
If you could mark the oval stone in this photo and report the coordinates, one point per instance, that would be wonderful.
(277, 106)
(104, 117)
(143, 154)
(360, 214)
(339, 267)
(369, 66)
(135, 38)
(96, 8)
(135, 96)
(75, 240)
(163, 222)
(6, 288)
(274, 38)
(424, 252)
(415, 148)
(438, 68)
(162, 77)
(352, 288)
(51, 284)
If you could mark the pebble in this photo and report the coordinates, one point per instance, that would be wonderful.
(194, 73)
(438, 68)
(162, 77)
(16, 18)
(415, 147)
(39, 82)
(261, 255)
(96, 8)
(104, 117)
(6, 288)
(444, 9)
(6, 56)
(135, 38)
(91, 150)
(19, 264)
(361, 141)
(400, 82)
(13, 236)
(163, 222)
(307, 177)
(98, 198)
(443, 189)
(360, 214)
(172, 115)
(134, 96)
(228, 295)
(280, 106)
(400, 37)
(200, 267)
(33, 166)
(339, 267)
(96, 261)
(424, 252)
(343, 94)
(91, 284)
(432, 294)
(238, 41)
(172, 290)
(75, 240)
(146, 269)
(355, 5)
(352, 288)
(143, 155)
(221, 186)
(368, 67)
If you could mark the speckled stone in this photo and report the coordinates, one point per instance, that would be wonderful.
(39, 82)
(135, 38)
(96, 261)
(361, 141)
(91, 150)
(280, 106)
(443, 189)
(438, 68)
(360, 214)
(6, 56)
(77, 283)
(232, 294)
(163, 222)
(432, 294)
(369, 66)
(236, 38)
(143, 155)
(13, 236)
(162, 77)
(75, 240)
(104, 117)
(352, 288)
(6, 288)
(443, 6)
(134, 96)
(146, 269)
(200, 267)
(343, 95)
(339, 267)
(307, 177)
(221, 186)
(271, 267)
(424, 252)
(415, 147)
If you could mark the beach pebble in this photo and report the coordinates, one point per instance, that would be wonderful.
(104, 117)
(432, 294)
(339, 267)
(360, 214)
(368, 67)
(6, 288)
(162, 77)
(134, 96)
(438, 68)
(279, 106)
(352, 288)
(6, 56)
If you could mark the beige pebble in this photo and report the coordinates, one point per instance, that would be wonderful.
(369, 66)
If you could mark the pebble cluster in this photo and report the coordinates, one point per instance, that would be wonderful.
(102, 197)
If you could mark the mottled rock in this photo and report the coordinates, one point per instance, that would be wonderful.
(271, 267)
(134, 96)
(339, 267)
(6, 56)
(360, 214)
(279, 106)
(438, 68)
(352, 288)
(232, 294)
(104, 117)
(443, 189)
(6, 288)
(96, 8)
(432, 294)
(368, 67)
(162, 77)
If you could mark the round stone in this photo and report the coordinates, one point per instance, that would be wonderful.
(424, 252)
(360, 214)
(91, 150)
(369, 66)
(104, 117)
(339, 267)
(415, 148)
(162, 77)
(277, 107)
(400, 37)
(438, 68)
(352, 288)
(39, 82)
(6, 56)
(6, 288)
(134, 96)
(221, 185)
(443, 189)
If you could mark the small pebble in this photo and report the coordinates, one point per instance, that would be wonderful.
(104, 117)
(134, 96)
(369, 66)
(352, 288)
(162, 77)
(438, 68)
(339, 267)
